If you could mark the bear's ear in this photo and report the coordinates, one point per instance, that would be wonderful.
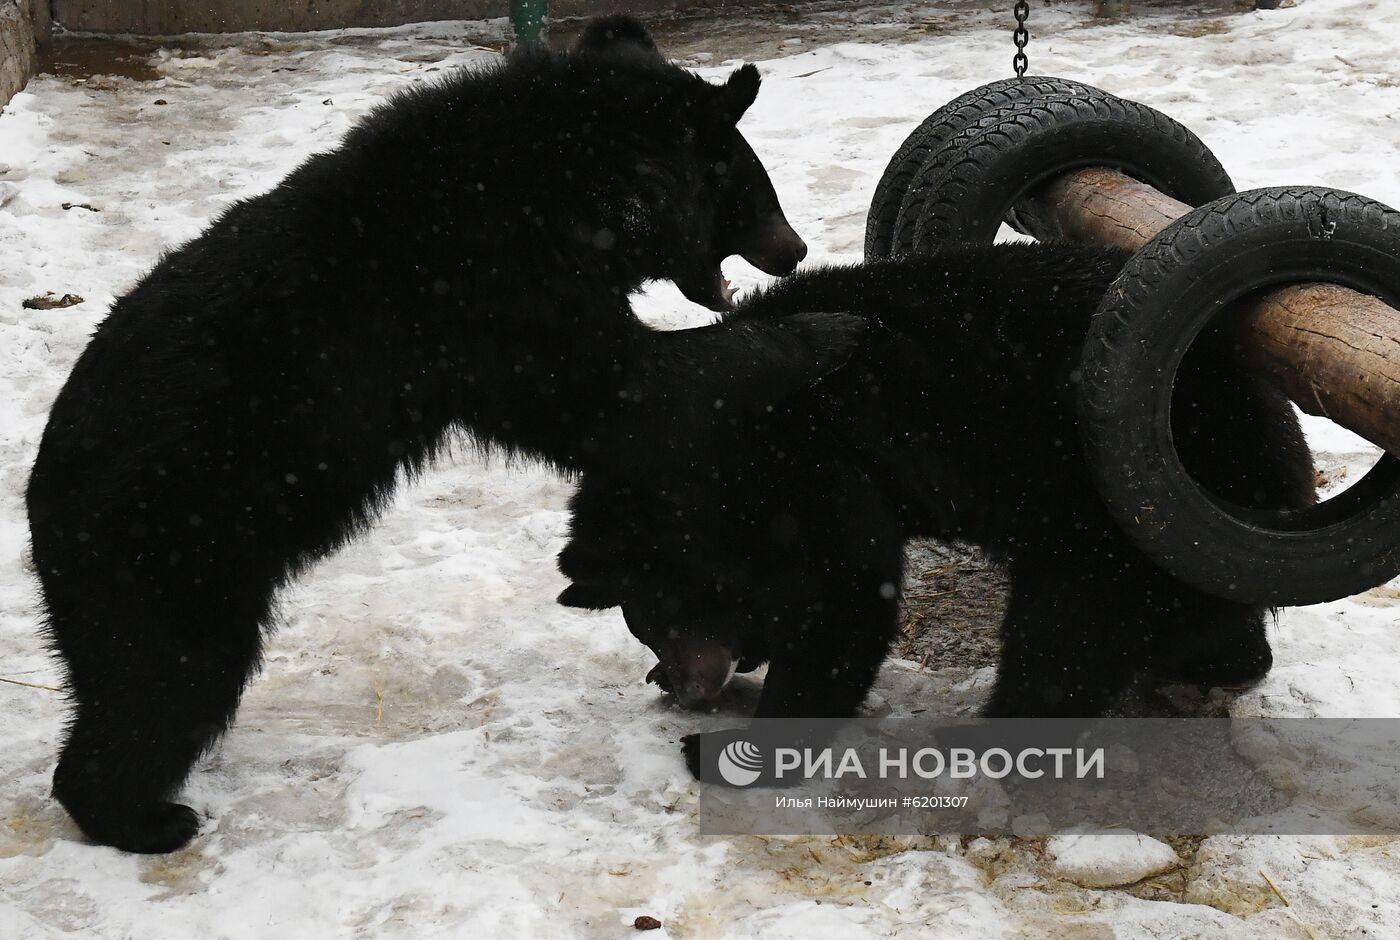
(739, 91)
(606, 35)
(588, 596)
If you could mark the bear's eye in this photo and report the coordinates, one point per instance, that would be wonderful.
(721, 167)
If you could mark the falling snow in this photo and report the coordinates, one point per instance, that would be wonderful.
(434, 743)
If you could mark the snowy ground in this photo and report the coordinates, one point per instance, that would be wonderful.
(435, 746)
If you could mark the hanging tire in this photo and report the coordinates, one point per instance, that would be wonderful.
(966, 190)
(928, 139)
(1158, 306)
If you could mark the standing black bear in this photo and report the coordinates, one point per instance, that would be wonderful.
(954, 421)
(463, 259)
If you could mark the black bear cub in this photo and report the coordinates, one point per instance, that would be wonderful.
(955, 421)
(462, 260)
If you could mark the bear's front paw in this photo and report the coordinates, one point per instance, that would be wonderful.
(153, 829)
(731, 759)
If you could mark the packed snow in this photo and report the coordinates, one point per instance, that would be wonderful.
(1109, 859)
(435, 748)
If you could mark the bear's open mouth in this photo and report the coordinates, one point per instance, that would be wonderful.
(708, 287)
(726, 290)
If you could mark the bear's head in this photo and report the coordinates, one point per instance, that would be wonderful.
(699, 193)
(697, 654)
(676, 596)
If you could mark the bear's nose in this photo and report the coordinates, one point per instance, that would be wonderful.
(800, 250)
(789, 247)
(693, 693)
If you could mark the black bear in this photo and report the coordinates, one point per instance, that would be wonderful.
(954, 421)
(462, 260)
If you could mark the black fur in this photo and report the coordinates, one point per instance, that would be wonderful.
(616, 33)
(463, 259)
(956, 422)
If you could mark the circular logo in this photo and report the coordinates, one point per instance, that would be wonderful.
(740, 763)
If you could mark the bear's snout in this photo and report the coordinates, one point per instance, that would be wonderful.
(698, 669)
(775, 248)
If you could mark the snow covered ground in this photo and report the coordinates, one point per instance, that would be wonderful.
(435, 748)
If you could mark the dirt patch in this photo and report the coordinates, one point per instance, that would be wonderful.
(51, 301)
(954, 601)
(84, 58)
(1205, 27)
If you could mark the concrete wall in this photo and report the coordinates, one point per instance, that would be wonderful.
(18, 58)
(164, 17)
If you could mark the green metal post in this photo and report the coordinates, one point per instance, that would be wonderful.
(527, 18)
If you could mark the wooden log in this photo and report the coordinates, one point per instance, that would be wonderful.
(1333, 351)
(1098, 205)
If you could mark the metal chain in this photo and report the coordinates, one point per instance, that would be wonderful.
(1021, 36)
